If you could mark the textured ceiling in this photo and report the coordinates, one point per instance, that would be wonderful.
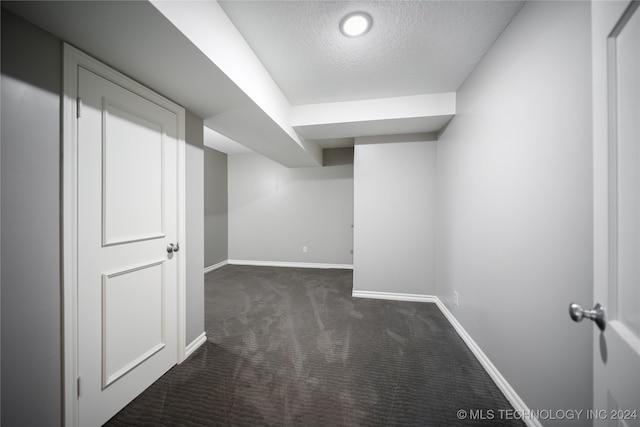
(414, 47)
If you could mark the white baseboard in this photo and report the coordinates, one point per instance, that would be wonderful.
(508, 391)
(195, 344)
(215, 266)
(289, 264)
(394, 296)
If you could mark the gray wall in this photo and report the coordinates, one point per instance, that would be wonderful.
(515, 202)
(395, 212)
(31, 313)
(216, 220)
(275, 211)
(194, 249)
(31, 284)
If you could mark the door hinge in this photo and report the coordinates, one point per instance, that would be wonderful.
(79, 107)
(78, 385)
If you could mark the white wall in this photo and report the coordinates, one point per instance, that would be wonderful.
(395, 211)
(515, 217)
(275, 211)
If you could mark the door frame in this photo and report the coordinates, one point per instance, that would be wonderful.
(72, 59)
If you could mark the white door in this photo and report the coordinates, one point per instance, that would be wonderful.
(616, 99)
(127, 285)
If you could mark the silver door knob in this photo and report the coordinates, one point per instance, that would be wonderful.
(171, 248)
(577, 313)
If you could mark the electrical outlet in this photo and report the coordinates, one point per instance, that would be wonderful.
(304, 249)
(456, 300)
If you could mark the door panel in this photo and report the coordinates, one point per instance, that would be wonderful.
(127, 216)
(132, 167)
(133, 318)
(624, 63)
(616, 100)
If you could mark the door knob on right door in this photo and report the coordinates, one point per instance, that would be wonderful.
(577, 313)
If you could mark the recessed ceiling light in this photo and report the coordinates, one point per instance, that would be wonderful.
(356, 24)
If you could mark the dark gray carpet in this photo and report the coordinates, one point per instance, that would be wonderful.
(291, 347)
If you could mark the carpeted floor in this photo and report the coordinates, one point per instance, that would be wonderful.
(291, 347)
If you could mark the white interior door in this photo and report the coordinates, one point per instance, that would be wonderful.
(616, 98)
(127, 283)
